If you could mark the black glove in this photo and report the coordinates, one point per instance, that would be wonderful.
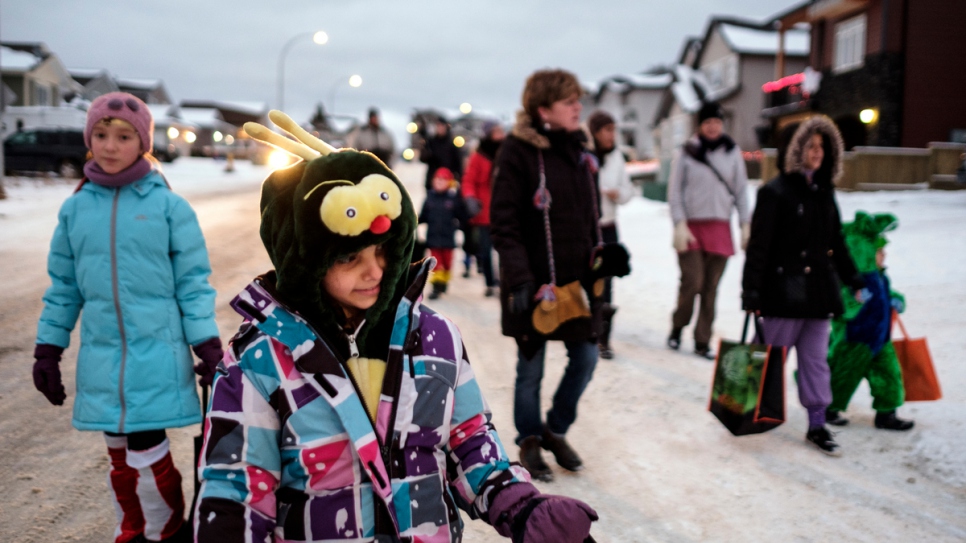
(47, 372)
(521, 298)
(750, 301)
(210, 353)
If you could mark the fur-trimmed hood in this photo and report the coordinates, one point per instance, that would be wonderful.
(832, 139)
(525, 130)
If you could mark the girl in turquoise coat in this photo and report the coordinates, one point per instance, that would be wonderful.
(130, 254)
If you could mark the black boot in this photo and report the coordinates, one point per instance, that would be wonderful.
(532, 460)
(437, 290)
(566, 457)
(887, 420)
(604, 344)
(674, 340)
(835, 418)
(704, 351)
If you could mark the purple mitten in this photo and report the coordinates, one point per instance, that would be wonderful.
(525, 515)
(210, 353)
(47, 372)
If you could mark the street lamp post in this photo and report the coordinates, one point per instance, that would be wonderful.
(319, 37)
(354, 81)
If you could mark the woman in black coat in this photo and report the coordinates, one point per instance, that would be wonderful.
(549, 130)
(795, 260)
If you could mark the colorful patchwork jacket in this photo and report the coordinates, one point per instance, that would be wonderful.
(291, 455)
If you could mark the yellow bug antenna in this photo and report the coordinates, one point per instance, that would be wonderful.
(262, 133)
(286, 123)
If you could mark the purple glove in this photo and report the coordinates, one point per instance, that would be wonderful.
(47, 372)
(210, 353)
(523, 514)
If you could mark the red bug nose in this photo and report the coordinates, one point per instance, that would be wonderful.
(380, 224)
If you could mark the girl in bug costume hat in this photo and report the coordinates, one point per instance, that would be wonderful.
(345, 409)
(860, 347)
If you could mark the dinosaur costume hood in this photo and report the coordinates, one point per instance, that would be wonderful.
(864, 237)
(332, 204)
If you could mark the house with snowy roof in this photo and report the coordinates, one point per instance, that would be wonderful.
(212, 129)
(32, 75)
(633, 100)
(95, 82)
(890, 73)
(151, 91)
(729, 65)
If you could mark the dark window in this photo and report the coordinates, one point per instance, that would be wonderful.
(23, 138)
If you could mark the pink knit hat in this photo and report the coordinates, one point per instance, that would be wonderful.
(124, 106)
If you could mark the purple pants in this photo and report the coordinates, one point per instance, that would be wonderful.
(809, 337)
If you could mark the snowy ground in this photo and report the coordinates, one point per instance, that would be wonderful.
(659, 467)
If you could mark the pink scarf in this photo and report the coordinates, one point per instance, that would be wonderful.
(132, 173)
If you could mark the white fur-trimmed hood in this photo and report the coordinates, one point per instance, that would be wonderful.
(820, 124)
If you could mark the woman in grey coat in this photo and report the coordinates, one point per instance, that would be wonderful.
(708, 179)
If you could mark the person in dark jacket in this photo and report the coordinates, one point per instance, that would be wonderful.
(439, 151)
(795, 259)
(547, 143)
(443, 212)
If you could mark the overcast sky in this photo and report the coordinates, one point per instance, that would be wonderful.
(410, 54)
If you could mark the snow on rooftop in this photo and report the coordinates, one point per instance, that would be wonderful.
(11, 59)
(86, 72)
(251, 108)
(202, 116)
(764, 42)
(145, 84)
(683, 88)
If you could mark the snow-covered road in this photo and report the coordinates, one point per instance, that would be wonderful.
(659, 467)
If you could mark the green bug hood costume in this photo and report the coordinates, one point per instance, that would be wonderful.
(864, 237)
(331, 205)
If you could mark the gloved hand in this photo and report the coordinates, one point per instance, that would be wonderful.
(863, 295)
(745, 236)
(47, 372)
(210, 353)
(898, 304)
(750, 301)
(521, 298)
(682, 237)
(523, 514)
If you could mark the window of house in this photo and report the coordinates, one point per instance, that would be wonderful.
(849, 44)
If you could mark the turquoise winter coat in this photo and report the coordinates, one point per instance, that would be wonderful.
(134, 259)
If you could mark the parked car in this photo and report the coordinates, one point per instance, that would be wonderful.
(59, 150)
(165, 153)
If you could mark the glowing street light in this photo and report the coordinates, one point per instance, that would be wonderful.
(355, 81)
(459, 141)
(190, 137)
(408, 154)
(465, 108)
(320, 38)
(868, 116)
(217, 136)
(412, 128)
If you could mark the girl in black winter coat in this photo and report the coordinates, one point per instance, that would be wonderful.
(795, 260)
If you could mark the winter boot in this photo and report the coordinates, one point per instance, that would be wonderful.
(531, 459)
(887, 420)
(123, 482)
(704, 351)
(604, 344)
(437, 290)
(158, 491)
(835, 418)
(822, 438)
(674, 340)
(566, 457)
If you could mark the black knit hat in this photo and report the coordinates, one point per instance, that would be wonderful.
(599, 119)
(710, 110)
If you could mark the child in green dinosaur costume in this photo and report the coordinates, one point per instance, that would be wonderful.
(860, 345)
